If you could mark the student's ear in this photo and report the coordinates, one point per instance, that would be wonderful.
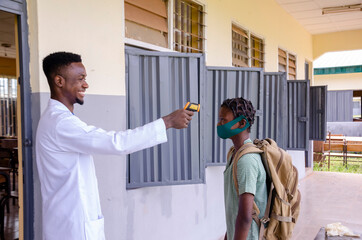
(242, 123)
(58, 81)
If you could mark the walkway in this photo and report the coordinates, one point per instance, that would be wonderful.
(327, 198)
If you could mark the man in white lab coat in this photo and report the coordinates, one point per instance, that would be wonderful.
(64, 144)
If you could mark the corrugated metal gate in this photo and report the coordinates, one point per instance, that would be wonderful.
(298, 114)
(317, 113)
(222, 83)
(159, 83)
(275, 104)
(340, 106)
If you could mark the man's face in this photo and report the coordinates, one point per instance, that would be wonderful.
(75, 82)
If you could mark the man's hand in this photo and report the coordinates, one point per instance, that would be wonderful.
(178, 119)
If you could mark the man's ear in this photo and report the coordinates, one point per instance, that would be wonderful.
(59, 81)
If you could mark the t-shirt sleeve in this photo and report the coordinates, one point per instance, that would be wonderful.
(247, 173)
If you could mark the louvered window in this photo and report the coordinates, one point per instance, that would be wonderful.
(188, 27)
(240, 44)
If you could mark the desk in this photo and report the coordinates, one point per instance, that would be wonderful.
(9, 143)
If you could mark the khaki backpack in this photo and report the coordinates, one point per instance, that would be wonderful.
(283, 204)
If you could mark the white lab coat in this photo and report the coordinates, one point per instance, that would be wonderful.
(64, 144)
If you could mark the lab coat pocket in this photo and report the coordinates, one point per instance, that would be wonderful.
(94, 229)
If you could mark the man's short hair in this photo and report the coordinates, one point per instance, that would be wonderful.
(53, 63)
(241, 106)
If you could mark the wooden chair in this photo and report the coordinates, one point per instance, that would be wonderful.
(4, 201)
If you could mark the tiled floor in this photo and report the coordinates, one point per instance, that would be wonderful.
(11, 222)
(328, 198)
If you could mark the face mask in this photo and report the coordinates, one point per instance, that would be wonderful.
(225, 131)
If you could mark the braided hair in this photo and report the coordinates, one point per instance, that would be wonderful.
(241, 106)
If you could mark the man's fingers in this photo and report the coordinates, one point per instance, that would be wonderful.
(190, 113)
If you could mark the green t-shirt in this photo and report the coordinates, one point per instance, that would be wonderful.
(251, 179)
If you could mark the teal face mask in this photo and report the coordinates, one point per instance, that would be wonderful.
(225, 131)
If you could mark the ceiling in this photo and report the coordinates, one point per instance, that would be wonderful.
(309, 14)
(7, 34)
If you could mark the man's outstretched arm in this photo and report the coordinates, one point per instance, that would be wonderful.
(76, 136)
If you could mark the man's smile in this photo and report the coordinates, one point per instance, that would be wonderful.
(82, 93)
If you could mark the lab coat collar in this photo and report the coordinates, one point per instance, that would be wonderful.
(59, 105)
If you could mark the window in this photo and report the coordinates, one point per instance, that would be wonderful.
(8, 95)
(287, 63)
(240, 45)
(257, 52)
(188, 27)
(357, 107)
(247, 50)
(146, 21)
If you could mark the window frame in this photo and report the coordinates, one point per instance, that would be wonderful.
(8, 106)
(170, 27)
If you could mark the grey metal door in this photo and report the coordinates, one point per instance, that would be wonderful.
(275, 108)
(298, 115)
(222, 83)
(157, 84)
(317, 113)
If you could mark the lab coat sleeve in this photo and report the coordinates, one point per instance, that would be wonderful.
(73, 135)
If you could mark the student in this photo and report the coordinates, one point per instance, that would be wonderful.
(236, 117)
(64, 148)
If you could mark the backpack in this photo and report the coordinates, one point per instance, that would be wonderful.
(283, 204)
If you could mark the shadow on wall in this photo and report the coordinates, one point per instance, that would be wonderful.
(351, 129)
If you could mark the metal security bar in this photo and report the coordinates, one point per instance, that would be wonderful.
(188, 27)
(8, 96)
(298, 114)
(222, 83)
(157, 84)
(317, 113)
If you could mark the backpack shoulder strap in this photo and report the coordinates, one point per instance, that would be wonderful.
(245, 149)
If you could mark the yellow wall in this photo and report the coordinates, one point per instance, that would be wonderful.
(337, 41)
(346, 81)
(93, 29)
(267, 20)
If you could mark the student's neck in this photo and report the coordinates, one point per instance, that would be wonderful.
(239, 140)
(64, 101)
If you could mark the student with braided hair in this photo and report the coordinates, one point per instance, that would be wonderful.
(236, 117)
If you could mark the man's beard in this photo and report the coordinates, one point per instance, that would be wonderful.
(80, 102)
